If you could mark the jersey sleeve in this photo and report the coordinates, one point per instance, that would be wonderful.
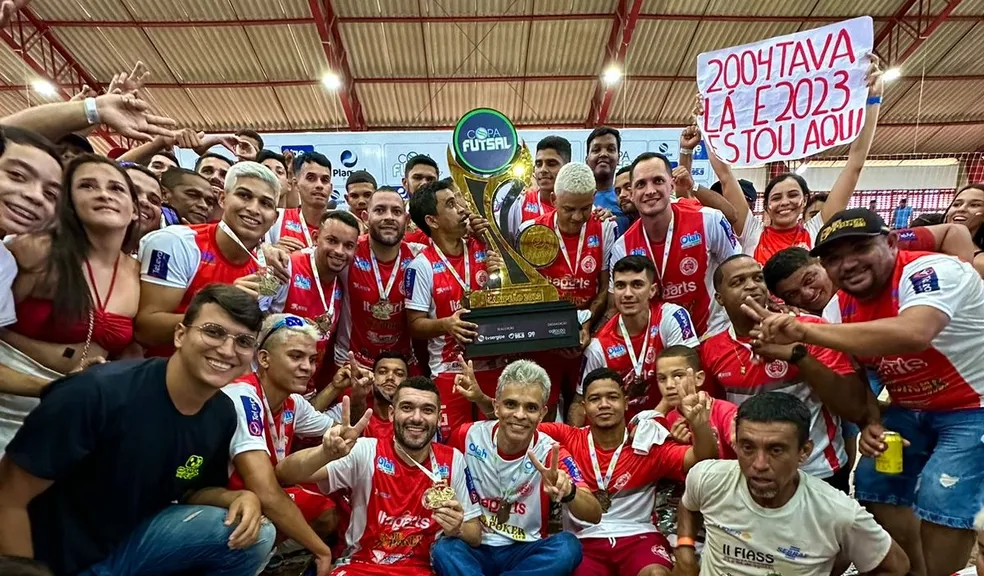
(917, 240)
(273, 234)
(169, 257)
(570, 466)
(721, 240)
(813, 226)
(608, 230)
(751, 232)
(594, 358)
(937, 281)
(250, 431)
(346, 472)
(666, 461)
(676, 327)
(308, 422)
(617, 253)
(692, 499)
(462, 483)
(864, 541)
(556, 430)
(836, 360)
(418, 284)
(458, 435)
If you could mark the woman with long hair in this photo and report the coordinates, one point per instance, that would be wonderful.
(967, 209)
(76, 290)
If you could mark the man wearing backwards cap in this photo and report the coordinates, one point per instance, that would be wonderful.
(916, 318)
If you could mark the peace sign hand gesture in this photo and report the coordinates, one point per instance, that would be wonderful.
(340, 438)
(556, 483)
(465, 383)
(773, 328)
(695, 406)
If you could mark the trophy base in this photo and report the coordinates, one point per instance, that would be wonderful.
(523, 328)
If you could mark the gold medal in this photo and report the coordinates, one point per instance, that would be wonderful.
(604, 499)
(269, 284)
(502, 516)
(538, 245)
(382, 310)
(437, 495)
(324, 322)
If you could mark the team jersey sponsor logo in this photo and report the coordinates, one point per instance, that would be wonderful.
(439, 267)
(686, 327)
(480, 256)
(405, 520)
(254, 417)
(158, 264)
(615, 351)
(676, 290)
(288, 417)
(689, 266)
(208, 257)
(925, 280)
(293, 226)
(362, 264)
(470, 484)
(638, 252)
(409, 279)
(594, 241)
(622, 480)
(570, 283)
(589, 264)
(907, 235)
(728, 231)
(405, 262)
(898, 366)
(532, 207)
(443, 470)
(792, 552)
(302, 282)
(481, 277)
(477, 451)
(572, 469)
(386, 466)
(691, 240)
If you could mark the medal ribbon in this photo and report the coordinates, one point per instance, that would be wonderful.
(603, 482)
(304, 228)
(385, 292)
(637, 361)
(329, 308)
(278, 435)
(257, 257)
(666, 250)
(464, 286)
(508, 494)
(563, 245)
(434, 473)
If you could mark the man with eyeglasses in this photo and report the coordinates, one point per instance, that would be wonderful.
(271, 413)
(87, 484)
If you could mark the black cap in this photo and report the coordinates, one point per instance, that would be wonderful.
(747, 188)
(76, 141)
(850, 223)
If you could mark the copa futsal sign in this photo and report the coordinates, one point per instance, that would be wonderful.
(485, 141)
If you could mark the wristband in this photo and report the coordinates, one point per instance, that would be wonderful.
(873, 100)
(91, 112)
(686, 151)
(686, 541)
(695, 187)
(570, 497)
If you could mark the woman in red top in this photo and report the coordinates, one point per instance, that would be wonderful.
(76, 290)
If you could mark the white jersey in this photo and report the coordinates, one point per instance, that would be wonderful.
(8, 272)
(802, 538)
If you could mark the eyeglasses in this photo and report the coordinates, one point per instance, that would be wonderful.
(285, 322)
(215, 335)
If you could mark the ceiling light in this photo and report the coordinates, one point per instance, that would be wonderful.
(44, 88)
(331, 81)
(801, 169)
(892, 74)
(612, 75)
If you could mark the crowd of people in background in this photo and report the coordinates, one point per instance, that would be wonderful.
(215, 369)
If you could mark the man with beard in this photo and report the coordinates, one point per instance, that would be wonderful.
(604, 150)
(404, 492)
(686, 245)
(296, 228)
(623, 189)
(552, 153)
(388, 372)
(916, 318)
(214, 168)
(437, 284)
(188, 197)
(763, 515)
(178, 261)
(817, 376)
(373, 319)
(518, 472)
(630, 342)
(419, 171)
(316, 287)
(271, 412)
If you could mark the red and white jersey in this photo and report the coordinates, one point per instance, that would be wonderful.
(432, 288)
(302, 298)
(390, 529)
(361, 331)
(949, 374)
(695, 244)
(633, 482)
(257, 429)
(761, 242)
(189, 258)
(728, 361)
(527, 208)
(579, 286)
(290, 224)
(496, 477)
(669, 325)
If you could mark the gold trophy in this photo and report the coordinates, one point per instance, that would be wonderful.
(519, 310)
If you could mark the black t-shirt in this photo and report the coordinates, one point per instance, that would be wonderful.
(118, 452)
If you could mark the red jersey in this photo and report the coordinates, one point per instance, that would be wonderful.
(948, 375)
(391, 531)
(669, 325)
(728, 362)
(379, 428)
(189, 258)
(290, 224)
(417, 237)
(917, 240)
(761, 242)
(631, 485)
(577, 272)
(370, 323)
(722, 421)
(696, 243)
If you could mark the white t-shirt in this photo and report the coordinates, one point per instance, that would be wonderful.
(8, 272)
(803, 537)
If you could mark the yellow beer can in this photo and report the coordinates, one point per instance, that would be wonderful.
(890, 461)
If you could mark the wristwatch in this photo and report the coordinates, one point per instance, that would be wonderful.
(799, 352)
(570, 497)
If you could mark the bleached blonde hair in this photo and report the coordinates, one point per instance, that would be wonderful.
(524, 373)
(575, 178)
(276, 328)
(248, 169)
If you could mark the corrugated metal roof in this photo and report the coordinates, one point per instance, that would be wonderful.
(946, 38)
(396, 104)
(310, 108)
(902, 139)
(364, 9)
(80, 10)
(939, 102)
(567, 47)
(964, 58)
(13, 70)
(476, 48)
(11, 102)
(105, 52)
(556, 102)
(384, 50)
(452, 100)
(656, 48)
(224, 108)
(716, 35)
(192, 56)
(855, 8)
(288, 52)
(759, 8)
(638, 102)
(175, 103)
(951, 138)
(574, 6)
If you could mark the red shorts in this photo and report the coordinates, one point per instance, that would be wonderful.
(626, 557)
(310, 501)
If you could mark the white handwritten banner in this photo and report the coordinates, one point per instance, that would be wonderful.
(788, 97)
